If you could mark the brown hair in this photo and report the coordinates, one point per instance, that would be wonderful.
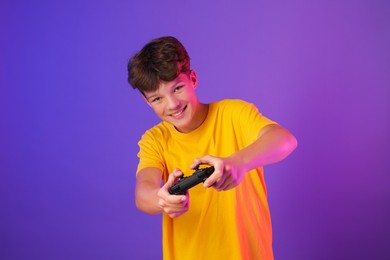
(162, 59)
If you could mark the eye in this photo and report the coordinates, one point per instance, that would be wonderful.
(154, 100)
(178, 88)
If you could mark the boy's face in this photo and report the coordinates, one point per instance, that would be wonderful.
(176, 102)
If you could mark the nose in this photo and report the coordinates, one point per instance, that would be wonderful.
(173, 102)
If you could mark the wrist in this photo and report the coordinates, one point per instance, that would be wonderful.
(236, 160)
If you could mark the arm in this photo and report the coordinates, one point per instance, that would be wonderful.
(148, 183)
(151, 198)
(274, 143)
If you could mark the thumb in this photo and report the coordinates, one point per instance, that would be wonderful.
(174, 176)
(212, 179)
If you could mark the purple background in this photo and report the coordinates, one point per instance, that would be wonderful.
(70, 122)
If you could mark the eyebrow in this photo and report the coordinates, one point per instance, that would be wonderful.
(151, 96)
(176, 81)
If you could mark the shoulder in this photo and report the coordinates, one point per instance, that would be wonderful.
(157, 132)
(234, 105)
(231, 102)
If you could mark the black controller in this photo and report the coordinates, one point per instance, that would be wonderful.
(185, 183)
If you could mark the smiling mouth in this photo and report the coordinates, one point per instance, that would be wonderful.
(177, 114)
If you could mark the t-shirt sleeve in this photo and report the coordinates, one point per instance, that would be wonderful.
(250, 120)
(150, 154)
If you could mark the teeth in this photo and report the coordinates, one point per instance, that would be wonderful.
(178, 113)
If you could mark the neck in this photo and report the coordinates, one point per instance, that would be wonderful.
(201, 115)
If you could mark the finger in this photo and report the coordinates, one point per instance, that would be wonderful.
(177, 208)
(175, 199)
(173, 202)
(195, 164)
(224, 185)
(164, 195)
(176, 173)
(213, 179)
(169, 198)
(173, 211)
(209, 182)
(176, 214)
(207, 159)
(218, 184)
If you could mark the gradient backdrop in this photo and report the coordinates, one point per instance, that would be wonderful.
(70, 122)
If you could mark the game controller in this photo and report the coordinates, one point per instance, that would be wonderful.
(185, 183)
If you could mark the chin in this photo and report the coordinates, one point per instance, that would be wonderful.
(182, 127)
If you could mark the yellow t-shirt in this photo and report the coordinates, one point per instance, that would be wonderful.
(233, 224)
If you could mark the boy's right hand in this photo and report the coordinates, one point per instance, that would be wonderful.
(173, 205)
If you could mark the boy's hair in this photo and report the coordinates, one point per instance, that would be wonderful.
(162, 59)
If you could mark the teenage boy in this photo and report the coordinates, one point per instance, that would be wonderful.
(228, 216)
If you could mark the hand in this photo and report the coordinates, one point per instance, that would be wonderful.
(227, 173)
(173, 205)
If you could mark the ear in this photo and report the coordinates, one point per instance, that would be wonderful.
(194, 78)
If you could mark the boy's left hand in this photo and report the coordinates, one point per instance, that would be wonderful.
(227, 174)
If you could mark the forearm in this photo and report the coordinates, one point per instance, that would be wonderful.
(146, 198)
(273, 144)
(148, 183)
